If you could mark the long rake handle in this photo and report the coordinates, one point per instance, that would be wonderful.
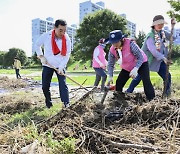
(169, 58)
(67, 77)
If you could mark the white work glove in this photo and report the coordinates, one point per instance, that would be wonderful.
(60, 71)
(110, 80)
(134, 72)
(43, 60)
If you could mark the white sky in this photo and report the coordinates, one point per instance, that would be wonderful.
(16, 16)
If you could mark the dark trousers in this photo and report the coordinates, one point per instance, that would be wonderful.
(100, 73)
(162, 74)
(47, 74)
(144, 73)
(17, 73)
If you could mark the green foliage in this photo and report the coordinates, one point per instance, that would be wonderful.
(66, 146)
(140, 38)
(11, 54)
(95, 26)
(71, 61)
(175, 55)
(35, 60)
(176, 52)
(175, 4)
(50, 112)
(54, 144)
(79, 66)
(32, 133)
(2, 53)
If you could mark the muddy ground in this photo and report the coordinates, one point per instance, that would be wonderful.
(124, 123)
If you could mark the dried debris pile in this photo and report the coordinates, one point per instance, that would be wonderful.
(125, 123)
(143, 127)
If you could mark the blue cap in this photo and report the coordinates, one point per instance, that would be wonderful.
(115, 36)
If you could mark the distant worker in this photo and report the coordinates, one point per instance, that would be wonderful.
(17, 67)
(100, 63)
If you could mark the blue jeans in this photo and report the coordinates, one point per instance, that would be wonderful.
(47, 74)
(100, 72)
(162, 74)
(134, 83)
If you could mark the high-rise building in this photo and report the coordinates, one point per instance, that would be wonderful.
(89, 7)
(40, 26)
(130, 26)
(176, 34)
(71, 31)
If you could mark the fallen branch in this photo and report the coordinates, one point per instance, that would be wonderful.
(4, 146)
(29, 149)
(106, 134)
(123, 145)
(178, 152)
(136, 146)
(165, 120)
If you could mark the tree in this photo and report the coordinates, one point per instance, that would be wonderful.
(11, 54)
(140, 38)
(2, 53)
(95, 26)
(175, 4)
(176, 52)
(35, 59)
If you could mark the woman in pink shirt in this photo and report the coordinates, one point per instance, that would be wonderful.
(100, 63)
(131, 59)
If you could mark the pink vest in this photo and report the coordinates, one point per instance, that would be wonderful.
(101, 57)
(128, 59)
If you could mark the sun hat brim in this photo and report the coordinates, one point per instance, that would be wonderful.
(160, 21)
